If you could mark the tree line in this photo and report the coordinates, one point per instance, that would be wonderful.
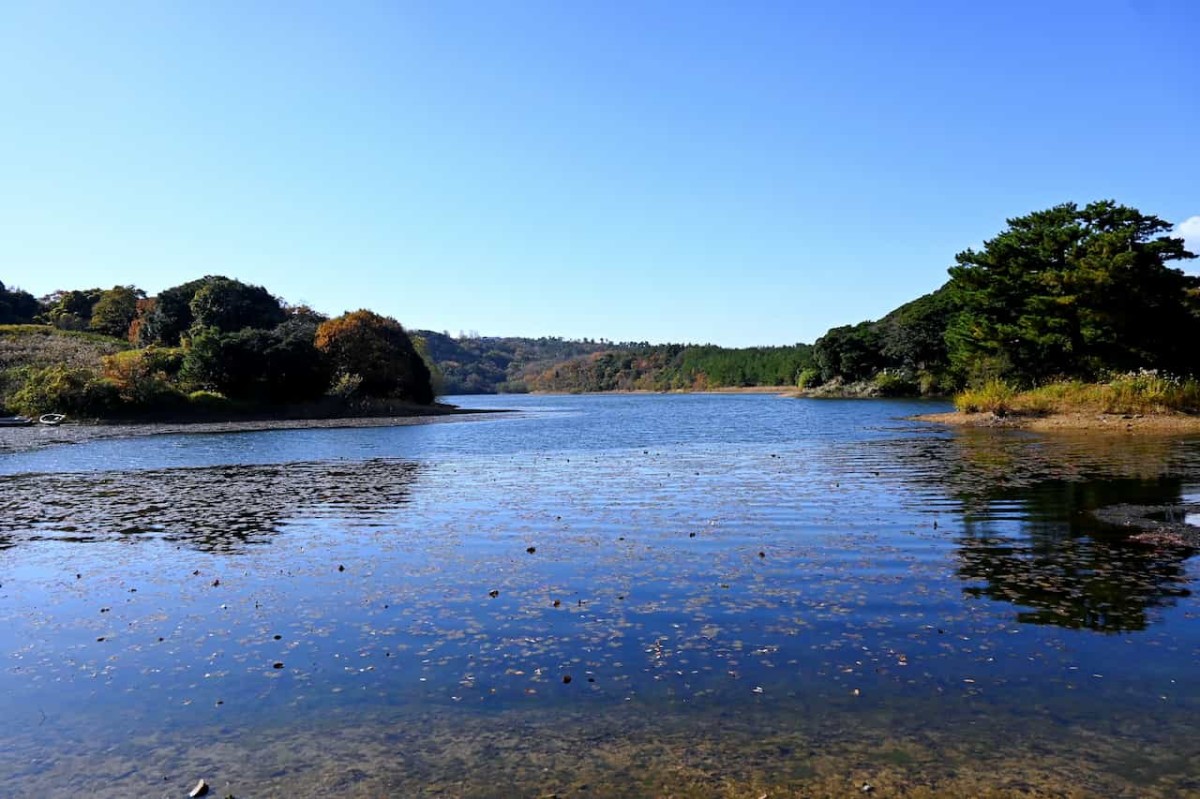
(1067, 293)
(675, 367)
(206, 343)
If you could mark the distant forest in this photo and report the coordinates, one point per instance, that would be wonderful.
(1074, 293)
(509, 365)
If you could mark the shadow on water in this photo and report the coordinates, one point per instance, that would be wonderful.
(212, 509)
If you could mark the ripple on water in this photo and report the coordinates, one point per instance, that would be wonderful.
(860, 601)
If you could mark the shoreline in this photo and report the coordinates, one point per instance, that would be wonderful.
(23, 439)
(778, 390)
(1076, 420)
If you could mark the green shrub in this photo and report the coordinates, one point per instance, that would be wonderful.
(208, 399)
(346, 386)
(889, 383)
(932, 384)
(808, 377)
(63, 389)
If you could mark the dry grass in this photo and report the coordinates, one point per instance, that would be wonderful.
(1135, 393)
(42, 345)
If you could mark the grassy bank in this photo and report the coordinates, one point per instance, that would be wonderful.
(1141, 393)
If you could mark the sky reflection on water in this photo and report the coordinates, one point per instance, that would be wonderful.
(815, 565)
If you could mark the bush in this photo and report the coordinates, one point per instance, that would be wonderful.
(210, 400)
(142, 377)
(808, 377)
(63, 389)
(346, 386)
(995, 396)
(931, 384)
(280, 365)
(890, 383)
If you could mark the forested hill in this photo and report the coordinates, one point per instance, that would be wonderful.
(1068, 293)
(492, 364)
(676, 367)
(489, 365)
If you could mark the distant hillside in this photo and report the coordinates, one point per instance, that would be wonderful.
(512, 365)
(675, 367)
(491, 365)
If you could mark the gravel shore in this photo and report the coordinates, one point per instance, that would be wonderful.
(16, 439)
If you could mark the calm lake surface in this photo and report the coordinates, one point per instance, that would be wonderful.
(685, 595)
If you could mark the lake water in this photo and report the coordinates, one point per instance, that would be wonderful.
(685, 595)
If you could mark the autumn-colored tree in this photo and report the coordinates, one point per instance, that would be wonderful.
(143, 310)
(143, 377)
(378, 350)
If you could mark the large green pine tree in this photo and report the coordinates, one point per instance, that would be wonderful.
(1072, 292)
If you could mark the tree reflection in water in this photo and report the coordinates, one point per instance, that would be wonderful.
(1063, 566)
(1029, 535)
(214, 509)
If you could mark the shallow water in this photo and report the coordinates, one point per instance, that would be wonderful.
(747, 594)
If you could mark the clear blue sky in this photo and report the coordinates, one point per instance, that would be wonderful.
(734, 172)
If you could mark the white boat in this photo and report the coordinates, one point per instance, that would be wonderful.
(51, 418)
(15, 421)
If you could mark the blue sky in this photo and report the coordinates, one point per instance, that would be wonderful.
(740, 173)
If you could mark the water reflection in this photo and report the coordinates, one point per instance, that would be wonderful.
(770, 613)
(1030, 536)
(1062, 566)
(214, 509)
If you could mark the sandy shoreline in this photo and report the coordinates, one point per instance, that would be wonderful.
(1101, 422)
(17, 439)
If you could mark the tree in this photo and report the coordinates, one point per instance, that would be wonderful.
(231, 305)
(378, 350)
(16, 306)
(914, 335)
(1072, 292)
(143, 377)
(115, 310)
(70, 310)
(851, 352)
(280, 365)
(168, 316)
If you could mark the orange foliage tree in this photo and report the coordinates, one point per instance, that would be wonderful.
(378, 350)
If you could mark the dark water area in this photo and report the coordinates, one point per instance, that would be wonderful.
(685, 595)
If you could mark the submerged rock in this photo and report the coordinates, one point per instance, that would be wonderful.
(1161, 525)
